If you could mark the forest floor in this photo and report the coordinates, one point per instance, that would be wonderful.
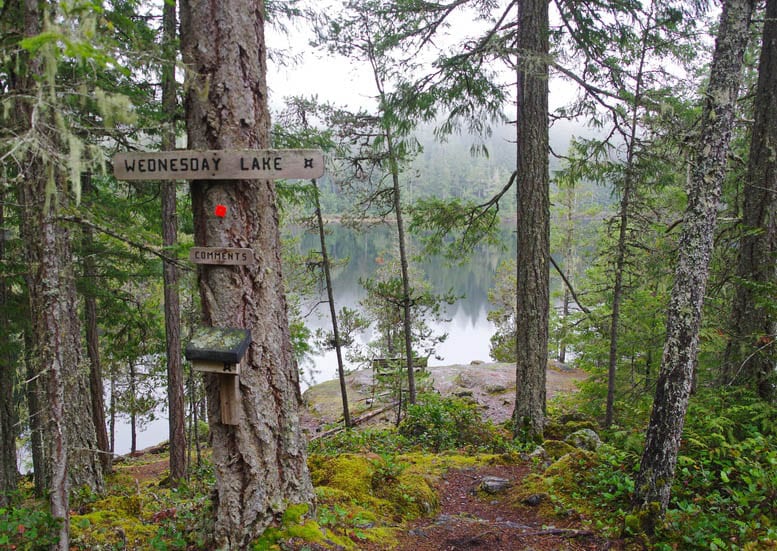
(468, 517)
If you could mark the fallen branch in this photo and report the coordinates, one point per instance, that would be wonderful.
(565, 532)
(354, 422)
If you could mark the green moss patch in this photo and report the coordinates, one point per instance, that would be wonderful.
(557, 449)
(114, 521)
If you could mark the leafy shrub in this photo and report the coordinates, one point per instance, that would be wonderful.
(725, 489)
(437, 424)
(599, 484)
(27, 530)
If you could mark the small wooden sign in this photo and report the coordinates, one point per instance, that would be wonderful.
(223, 368)
(221, 256)
(219, 165)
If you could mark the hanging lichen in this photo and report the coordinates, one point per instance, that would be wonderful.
(75, 165)
(69, 33)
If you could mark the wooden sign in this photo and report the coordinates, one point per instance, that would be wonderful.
(219, 165)
(221, 256)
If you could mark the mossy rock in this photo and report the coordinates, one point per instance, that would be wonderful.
(557, 430)
(411, 496)
(556, 448)
(532, 485)
(568, 465)
(295, 530)
(401, 495)
(586, 439)
(495, 389)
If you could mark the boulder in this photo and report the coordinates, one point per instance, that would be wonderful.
(585, 439)
(494, 484)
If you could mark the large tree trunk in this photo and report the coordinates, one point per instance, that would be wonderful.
(260, 463)
(533, 212)
(175, 393)
(654, 481)
(72, 460)
(56, 339)
(84, 468)
(50, 325)
(751, 352)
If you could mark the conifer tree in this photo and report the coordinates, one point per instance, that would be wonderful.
(653, 483)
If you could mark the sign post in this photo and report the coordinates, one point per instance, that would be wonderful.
(220, 350)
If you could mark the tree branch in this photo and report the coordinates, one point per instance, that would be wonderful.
(569, 286)
(156, 251)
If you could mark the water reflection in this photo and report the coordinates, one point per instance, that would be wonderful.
(468, 331)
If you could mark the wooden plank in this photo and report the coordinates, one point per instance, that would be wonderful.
(219, 165)
(222, 256)
(229, 396)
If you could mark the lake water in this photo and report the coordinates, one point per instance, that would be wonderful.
(362, 252)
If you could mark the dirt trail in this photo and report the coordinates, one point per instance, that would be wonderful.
(470, 518)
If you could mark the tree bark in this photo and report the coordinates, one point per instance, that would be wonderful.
(568, 201)
(49, 355)
(260, 463)
(659, 459)
(750, 354)
(133, 401)
(533, 224)
(628, 190)
(175, 393)
(97, 391)
(8, 470)
(407, 310)
(37, 420)
(407, 319)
